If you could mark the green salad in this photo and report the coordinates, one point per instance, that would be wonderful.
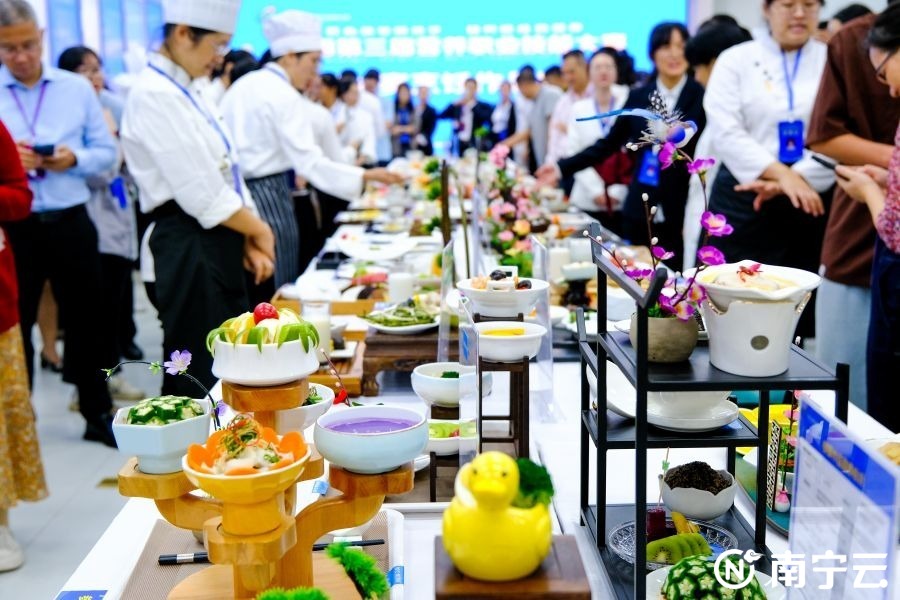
(163, 410)
(313, 398)
(402, 315)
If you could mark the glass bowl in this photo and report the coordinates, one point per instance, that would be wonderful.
(621, 540)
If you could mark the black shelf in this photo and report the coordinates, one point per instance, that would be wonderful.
(697, 374)
(620, 434)
(621, 573)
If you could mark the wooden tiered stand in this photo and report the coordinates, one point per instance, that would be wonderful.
(254, 547)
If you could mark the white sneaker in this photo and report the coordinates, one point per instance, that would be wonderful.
(120, 389)
(11, 556)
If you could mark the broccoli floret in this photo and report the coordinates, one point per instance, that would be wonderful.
(535, 485)
(294, 594)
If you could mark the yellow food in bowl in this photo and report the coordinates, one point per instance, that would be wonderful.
(505, 332)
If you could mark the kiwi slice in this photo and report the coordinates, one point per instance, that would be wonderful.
(687, 549)
(665, 551)
(699, 543)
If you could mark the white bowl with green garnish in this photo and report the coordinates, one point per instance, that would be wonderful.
(438, 382)
(298, 419)
(159, 430)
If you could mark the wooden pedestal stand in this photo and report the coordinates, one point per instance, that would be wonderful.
(248, 561)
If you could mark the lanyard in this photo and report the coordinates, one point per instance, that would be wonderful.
(606, 123)
(789, 80)
(277, 72)
(235, 170)
(32, 124)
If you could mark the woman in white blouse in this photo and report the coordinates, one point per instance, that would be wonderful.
(590, 193)
(182, 157)
(759, 101)
(358, 127)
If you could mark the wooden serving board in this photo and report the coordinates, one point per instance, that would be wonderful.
(351, 372)
(388, 352)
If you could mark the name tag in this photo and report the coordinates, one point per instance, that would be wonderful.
(790, 141)
(649, 171)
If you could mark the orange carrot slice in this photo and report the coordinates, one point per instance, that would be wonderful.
(198, 456)
(284, 462)
(269, 435)
(241, 471)
(212, 443)
(293, 442)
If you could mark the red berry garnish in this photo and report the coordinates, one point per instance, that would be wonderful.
(263, 311)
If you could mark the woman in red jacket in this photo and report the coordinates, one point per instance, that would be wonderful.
(21, 470)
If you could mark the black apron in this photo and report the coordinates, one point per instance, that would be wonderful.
(273, 198)
(199, 284)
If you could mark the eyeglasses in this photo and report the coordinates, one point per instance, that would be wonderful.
(879, 70)
(29, 47)
(792, 7)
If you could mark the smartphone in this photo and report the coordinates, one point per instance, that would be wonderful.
(44, 149)
(825, 162)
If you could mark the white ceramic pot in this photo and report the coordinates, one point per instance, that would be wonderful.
(371, 453)
(699, 504)
(503, 348)
(750, 330)
(246, 364)
(159, 448)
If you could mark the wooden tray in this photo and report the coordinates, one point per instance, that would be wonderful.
(388, 352)
(351, 372)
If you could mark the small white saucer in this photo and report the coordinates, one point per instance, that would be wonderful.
(721, 414)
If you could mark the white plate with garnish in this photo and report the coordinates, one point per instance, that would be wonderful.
(403, 330)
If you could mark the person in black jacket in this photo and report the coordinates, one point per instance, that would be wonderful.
(426, 119)
(468, 114)
(666, 188)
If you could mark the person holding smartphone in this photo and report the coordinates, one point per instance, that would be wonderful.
(879, 190)
(62, 139)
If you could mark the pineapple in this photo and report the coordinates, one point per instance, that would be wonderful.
(694, 578)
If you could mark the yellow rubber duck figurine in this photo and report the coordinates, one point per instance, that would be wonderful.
(485, 536)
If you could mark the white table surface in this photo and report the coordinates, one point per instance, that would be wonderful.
(110, 563)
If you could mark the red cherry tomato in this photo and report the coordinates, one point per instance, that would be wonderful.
(264, 310)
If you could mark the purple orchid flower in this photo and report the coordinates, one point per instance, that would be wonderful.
(682, 310)
(715, 225)
(700, 165)
(639, 274)
(711, 256)
(178, 363)
(661, 253)
(667, 155)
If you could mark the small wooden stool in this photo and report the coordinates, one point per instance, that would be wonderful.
(560, 577)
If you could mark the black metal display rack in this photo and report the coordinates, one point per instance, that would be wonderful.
(696, 374)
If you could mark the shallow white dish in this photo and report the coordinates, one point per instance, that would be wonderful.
(159, 448)
(246, 364)
(421, 462)
(557, 315)
(371, 453)
(492, 303)
(625, 327)
(298, 419)
(347, 269)
(721, 414)
(509, 348)
(657, 578)
(376, 248)
(687, 405)
(442, 446)
(405, 330)
(619, 392)
(346, 353)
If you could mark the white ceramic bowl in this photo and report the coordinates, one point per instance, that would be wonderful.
(428, 384)
(722, 296)
(504, 348)
(579, 271)
(684, 405)
(619, 305)
(298, 419)
(493, 303)
(246, 364)
(371, 453)
(159, 448)
(699, 504)
(442, 446)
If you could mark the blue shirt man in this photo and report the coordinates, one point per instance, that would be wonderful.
(60, 110)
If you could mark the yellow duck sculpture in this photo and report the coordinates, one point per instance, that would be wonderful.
(485, 536)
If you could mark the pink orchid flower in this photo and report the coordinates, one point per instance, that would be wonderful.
(661, 253)
(667, 155)
(711, 256)
(682, 310)
(700, 165)
(498, 155)
(696, 294)
(505, 236)
(715, 225)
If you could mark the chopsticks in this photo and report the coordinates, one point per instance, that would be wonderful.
(203, 557)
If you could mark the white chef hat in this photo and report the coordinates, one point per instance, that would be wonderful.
(214, 15)
(293, 31)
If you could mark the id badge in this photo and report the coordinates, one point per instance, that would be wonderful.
(790, 141)
(117, 188)
(649, 171)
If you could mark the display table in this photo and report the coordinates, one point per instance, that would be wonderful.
(109, 564)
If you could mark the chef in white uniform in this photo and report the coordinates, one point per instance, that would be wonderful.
(273, 132)
(183, 159)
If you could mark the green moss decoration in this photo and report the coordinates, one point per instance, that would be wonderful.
(362, 569)
(294, 594)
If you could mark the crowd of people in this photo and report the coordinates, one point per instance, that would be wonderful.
(238, 165)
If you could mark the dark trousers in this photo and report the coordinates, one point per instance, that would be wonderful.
(118, 297)
(61, 246)
(883, 350)
(199, 284)
(306, 209)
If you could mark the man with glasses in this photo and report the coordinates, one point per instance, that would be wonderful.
(62, 139)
